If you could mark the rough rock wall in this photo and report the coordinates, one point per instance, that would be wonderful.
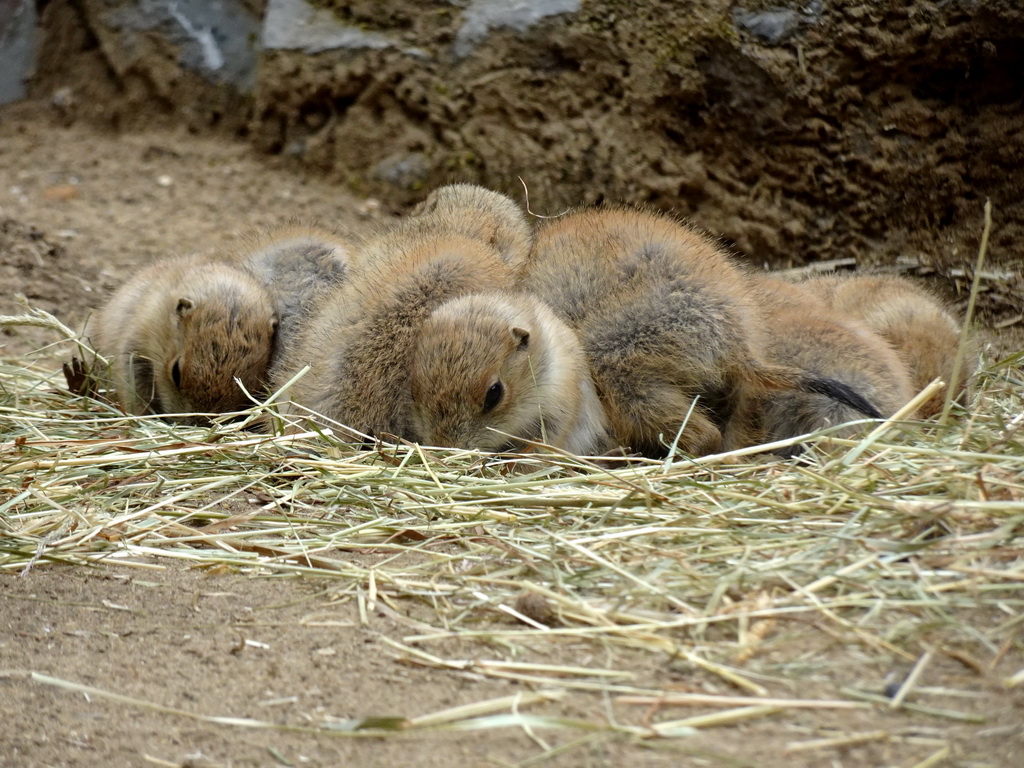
(818, 130)
(872, 130)
(130, 62)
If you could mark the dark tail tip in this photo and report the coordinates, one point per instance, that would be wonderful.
(841, 393)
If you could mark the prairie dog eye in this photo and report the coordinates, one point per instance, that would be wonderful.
(493, 396)
(176, 373)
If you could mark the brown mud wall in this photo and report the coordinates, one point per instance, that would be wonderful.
(822, 130)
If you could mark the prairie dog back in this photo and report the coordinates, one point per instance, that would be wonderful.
(924, 334)
(480, 214)
(298, 265)
(179, 332)
(666, 322)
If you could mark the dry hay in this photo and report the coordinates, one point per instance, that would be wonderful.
(881, 542)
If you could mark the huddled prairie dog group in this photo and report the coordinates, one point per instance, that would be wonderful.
(461, 326)
(671, 329)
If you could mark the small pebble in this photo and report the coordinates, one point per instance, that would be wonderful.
(534, 606)
(772, 26)
(61, 192)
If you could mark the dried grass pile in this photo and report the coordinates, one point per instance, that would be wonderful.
(712, 560)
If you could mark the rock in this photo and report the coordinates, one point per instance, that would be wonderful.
(773, 26)
(519, 15)
(407, 170)
(296, 25)
(17, 48)
(217, 40)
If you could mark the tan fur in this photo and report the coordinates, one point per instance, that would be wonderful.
(924, 334)
(804, 332)
(480, 214)
(472, 345)
(298, 265)
(210, 319)
(359, 342)
(666, 323)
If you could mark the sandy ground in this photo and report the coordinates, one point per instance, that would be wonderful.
(78, 210)
(295, 653)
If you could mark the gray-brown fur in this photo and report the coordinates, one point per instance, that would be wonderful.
(179, 332)
(803, 332)
(666, 323)
(493, 371)
(923, 332)
(298, 265)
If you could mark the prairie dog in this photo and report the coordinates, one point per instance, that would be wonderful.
(298, 265)
(667, 323)
(480, 214)
(359, 343)
(180, 331)
(924, 334)
(495, 363)
(804, 332)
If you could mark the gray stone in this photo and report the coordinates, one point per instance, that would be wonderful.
(17, 47)
(403, 169)
(773, 25)
(813, 10)
(519, 15)
(217, 38)
(296, 25)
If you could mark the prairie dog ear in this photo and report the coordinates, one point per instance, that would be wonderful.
(521, 336)
(185, 306)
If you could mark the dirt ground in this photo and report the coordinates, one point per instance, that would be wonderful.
(79, 208)
(291, 652)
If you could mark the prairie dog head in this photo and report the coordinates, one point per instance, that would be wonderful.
(490, 368)
(220, 327)
(480, 214)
